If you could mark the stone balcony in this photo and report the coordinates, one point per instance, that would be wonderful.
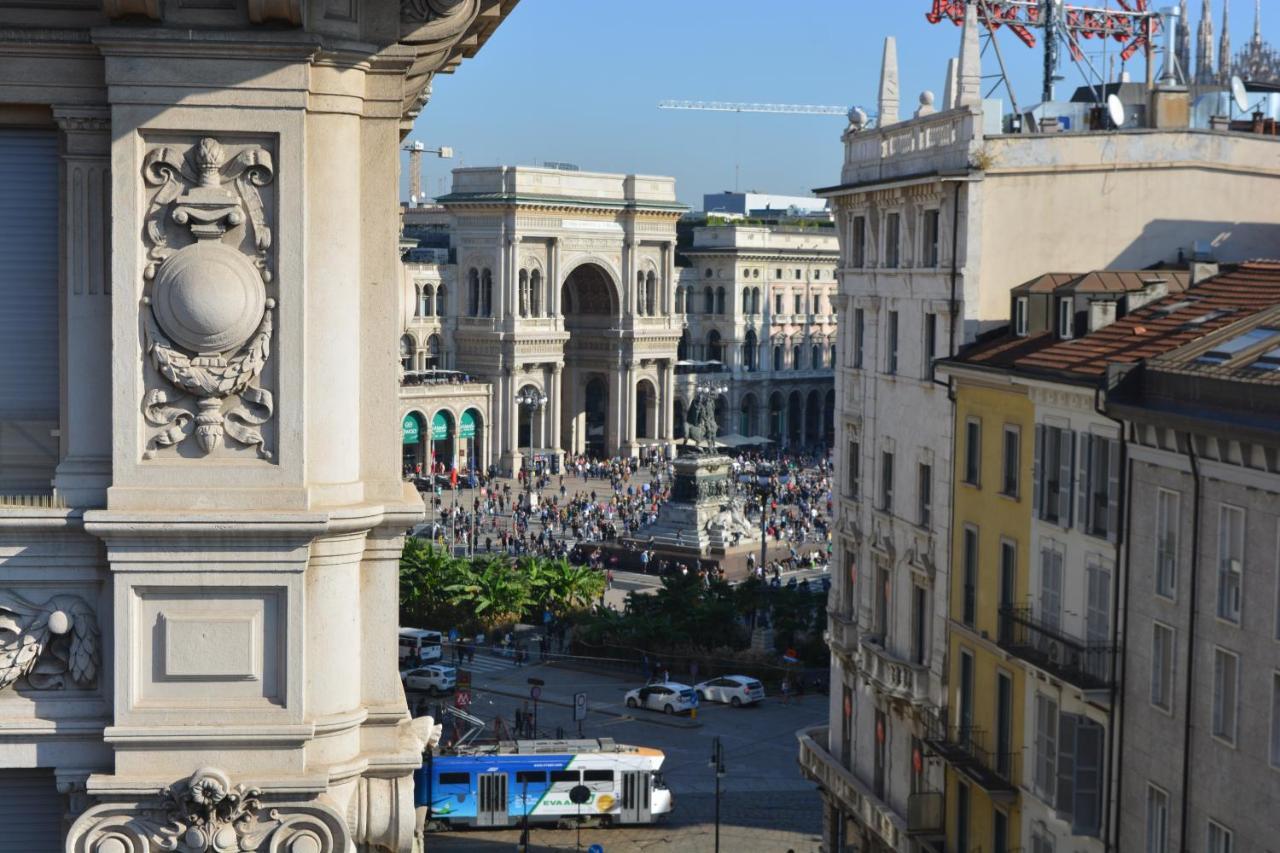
(855, 796)
(937, 142)
(842, 637)
(891, 674)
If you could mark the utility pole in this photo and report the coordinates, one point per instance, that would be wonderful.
(717, 763)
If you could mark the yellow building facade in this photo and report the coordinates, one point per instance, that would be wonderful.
(980, 732)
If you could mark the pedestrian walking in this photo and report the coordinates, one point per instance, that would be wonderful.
(786, 690)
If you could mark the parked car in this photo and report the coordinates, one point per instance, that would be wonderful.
(668, 697)
(434, 679)
(732, 689)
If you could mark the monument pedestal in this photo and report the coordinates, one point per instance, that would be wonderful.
(703, 518)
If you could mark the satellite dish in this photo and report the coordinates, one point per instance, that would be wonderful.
(1115, 110)
(1238, 94)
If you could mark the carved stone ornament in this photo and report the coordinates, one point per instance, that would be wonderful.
(205, 814)
(206, 316)
(53, 645)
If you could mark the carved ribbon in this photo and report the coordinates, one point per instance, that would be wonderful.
(48, 643)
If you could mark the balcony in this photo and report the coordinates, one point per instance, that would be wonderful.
(1086, 665)
(842, 636)
(892, 674)
(854, 796)
(964, 748)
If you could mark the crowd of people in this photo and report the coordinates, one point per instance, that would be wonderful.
(602, 501)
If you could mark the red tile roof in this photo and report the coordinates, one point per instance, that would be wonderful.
(1154, 329)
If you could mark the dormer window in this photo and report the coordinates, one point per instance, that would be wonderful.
(1066, 319)
(1020, 316)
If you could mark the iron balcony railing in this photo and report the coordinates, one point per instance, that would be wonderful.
(1086, 665)
(964, 748)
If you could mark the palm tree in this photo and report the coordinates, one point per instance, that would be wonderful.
(493, 590)
(570, 587)
(426, 574)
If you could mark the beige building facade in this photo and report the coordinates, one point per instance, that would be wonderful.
(202, 513)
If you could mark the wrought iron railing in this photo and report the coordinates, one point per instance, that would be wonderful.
(964, 746)
(1086, 665)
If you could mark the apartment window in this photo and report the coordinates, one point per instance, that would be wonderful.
(857, 243)
(930, 340)
(852, 470)
(1097, 622)
(1168, 509)
(929, 238)
(919, 622)
(795, 304)
(1020, 316)
(1275, 719)
(1157, 820)
(891, 353)
(859, 327)
(777, 304)
(892, 240)
(1009, 461)
(1008, 576)
(886, 482)
(777, 273)
(1041, 839)
(1079, 793)
(962, 818)
(970, 578)
(924, 494)
(1226, 687)
(1046, 772)
(1220, 839)
(1101, 463)
(1051, 560)
(1052, 474)
(1066, 318)
(972, 450)
(799, 275)
(1162, 667)
(1230, 562)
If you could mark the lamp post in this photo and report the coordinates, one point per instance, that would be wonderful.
(532, 399)
(764, 489)
(717, 764)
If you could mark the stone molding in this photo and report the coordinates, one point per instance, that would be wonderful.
(206, 814)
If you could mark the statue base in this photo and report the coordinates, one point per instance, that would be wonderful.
(704, 517)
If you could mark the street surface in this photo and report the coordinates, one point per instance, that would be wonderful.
(766, 805)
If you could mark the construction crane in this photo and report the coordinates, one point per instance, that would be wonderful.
(1133, 24)
(416, 150)
(730, 107)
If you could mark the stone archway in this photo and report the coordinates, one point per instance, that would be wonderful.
(812, 419)
(589, 391)
(795, 418)
(646, 410)
(748, 413)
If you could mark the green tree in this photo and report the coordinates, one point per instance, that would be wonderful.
(493, 592)
(426, 575)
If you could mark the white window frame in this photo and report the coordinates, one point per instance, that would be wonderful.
(1046, 748)
(1168, 516)
(1228, 606)
(1020, 307)
(1016, 432)
(1219, 706)
(972, 452)
(1160, 844)
(1227, 837)
(1167, 671)
(1275, 720)
(1066, 318)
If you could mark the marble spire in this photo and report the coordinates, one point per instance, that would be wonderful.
(889, 92)
(970, 88)
(1204, 48)
(1182, 38)
(1224, 45)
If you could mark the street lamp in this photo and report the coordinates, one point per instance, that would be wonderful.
(532, 399)
(764, 490)
(717, 764)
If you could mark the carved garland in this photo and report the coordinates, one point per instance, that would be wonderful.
(207, 319)
(50, 644)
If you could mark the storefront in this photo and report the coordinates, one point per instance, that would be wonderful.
(469, 437)
(411, 440)
(442, 440)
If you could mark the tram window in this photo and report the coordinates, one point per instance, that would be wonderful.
(455, 778)
(532, 777)
(564, 775)
(597, 775)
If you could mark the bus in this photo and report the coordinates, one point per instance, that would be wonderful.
(505, 783)
(424, 645)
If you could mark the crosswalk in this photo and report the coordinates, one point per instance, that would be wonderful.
(483, 662)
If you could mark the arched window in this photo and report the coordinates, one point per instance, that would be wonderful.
(815, 357)
(750, 349)
(440, 303)
(433, 353)
(428, 301)
(535, 293)
(486, 293)
(719, 300)
(473, 292)
(777, 357)
(831, 356)
(682, 349)
(795, 357)
(407, 350)
(715, 350)
(641, 301)
(755, 300)
(708, 301)
(650, 293)
(524, 293)
(746, 300)
(417, 307)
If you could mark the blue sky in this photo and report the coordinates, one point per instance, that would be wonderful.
(579, 81)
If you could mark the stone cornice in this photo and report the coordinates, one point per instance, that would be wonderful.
(552, 204)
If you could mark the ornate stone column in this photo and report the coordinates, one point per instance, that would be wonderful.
(84, 473)
(556, 407)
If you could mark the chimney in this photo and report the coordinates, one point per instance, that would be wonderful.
(1170, 100)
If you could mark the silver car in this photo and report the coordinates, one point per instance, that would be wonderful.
(435, 679)
(734, 690)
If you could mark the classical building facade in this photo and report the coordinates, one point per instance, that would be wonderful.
(202, 513)
(760, 301)
(938, 219)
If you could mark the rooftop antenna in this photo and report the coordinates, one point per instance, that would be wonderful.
(1115, 111)
(1238, 94)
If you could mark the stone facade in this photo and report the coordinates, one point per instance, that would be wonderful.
(194, 643)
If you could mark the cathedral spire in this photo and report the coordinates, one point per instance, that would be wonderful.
(1257, 23)
(1204, 47)
(1224, 45)
(1182, 38)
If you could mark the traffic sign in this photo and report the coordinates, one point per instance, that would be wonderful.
(579, 707)
(535, 692)
(595, 848)
(462, 698)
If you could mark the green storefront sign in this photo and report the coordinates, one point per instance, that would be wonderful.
(439, 427)
(466, 426)
(410, 429)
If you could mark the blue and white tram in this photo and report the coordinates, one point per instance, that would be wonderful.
(500, 784)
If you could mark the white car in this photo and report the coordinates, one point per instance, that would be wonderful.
(434, 679)
(666, 696)
(735, 690)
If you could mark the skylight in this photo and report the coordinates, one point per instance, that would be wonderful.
(1269, 360)
(1226, 350)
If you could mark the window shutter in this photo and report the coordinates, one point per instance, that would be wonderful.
(1113, 490)
(1086, 444)
(1067, 725)
(1066, 467)
(1086, 809)
(1035, 471)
